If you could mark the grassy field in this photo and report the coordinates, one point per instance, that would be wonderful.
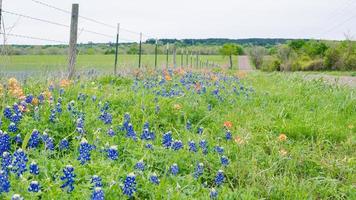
(290, 139)
(98, 62)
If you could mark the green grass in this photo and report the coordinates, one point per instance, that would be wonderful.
(100, 62)
(318, 119)
(334, 73)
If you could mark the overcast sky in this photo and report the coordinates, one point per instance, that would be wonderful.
(327, 19)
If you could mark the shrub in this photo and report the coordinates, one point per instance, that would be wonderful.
(257, 54)
(271, 64)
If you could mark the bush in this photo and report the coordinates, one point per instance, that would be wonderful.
(256, 55)
(271, 64)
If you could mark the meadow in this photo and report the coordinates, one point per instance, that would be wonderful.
(178, 134)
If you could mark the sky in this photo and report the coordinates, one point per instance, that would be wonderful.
(235, 19)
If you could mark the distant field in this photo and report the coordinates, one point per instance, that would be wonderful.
(98, 62)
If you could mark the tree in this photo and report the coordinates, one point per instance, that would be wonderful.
(230, 50)
(257, 54)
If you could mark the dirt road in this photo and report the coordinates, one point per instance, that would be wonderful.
(244, 63)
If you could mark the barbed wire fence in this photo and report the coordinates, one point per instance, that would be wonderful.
(114, 38)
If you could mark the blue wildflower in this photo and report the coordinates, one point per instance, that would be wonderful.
(189, 125)
(228, 135)
(41, 98)
(18, 139)
(7, 112)
(147, 135)
(200, 130)
(113, 153)
(154, 179)
(149, 146)
(59, 108)
(5, 144)
(29, 98)
(34, 139)
(129, 186)
(224, 161)
(140, 165)
(6, 161)
(174, 169)
(16, 118)
(34, 169)
(4, 182)
(34, 187)
(96, 180)
(106, 117)
(213, 193)
(111, 132)
(84, 151)
(219, 150)
(167, 139)
(204, 146)
(19, 162)
(52, 116)
(192, 146)
(16, 108)
(219, 178)
(68, 178)
(16, 197)
(199, 170)
(98, 194)
(127, 120)
(177, 144)
(64, 144)
(12, 128)
(130, 132)
(50, 144)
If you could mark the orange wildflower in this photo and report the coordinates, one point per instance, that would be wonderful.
(168, 77)
(64, 83)
(197, 86)
(34, 101)
(15, 88)
(239, 140)
(177, 106)
(282, 137)
(228, 124)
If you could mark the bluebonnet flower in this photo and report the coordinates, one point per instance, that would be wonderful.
(45, 136)
(199, 170)
(111, 132)
(106, 117)
(213, 193)
(204, 146)
(64, 144)
(59, 108)
(112, 153)
(149, 146)
(50, 144)
(157, 109)
(98, 194)
(96, 180)
(52, 116)
(16, 108)
(130, 132)
(18, 139)
(12, 128)
(228, 135)
(34, 169)
(140, 165)
(219, 150)
(5, 144)
(34, 186)
(200, 130)
(219, 178)
(224, 161)
(41, 98)
(192, 146)
(167, 139)
(29, 98)
(177, 144)
(93, 98)
(6, 161)
(16, 118)
(7, 112)
(129, 186)
(174, 169)
(68, 178)
(34, 139)
(16, 197)
(154, 179)
(4, 182)
(51, 88)
(84, 151)
(127, 120)
(80, 125)
(19, 162)
(147, 135)
(209, 107)
(189, 125)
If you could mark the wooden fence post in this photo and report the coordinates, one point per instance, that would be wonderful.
(140, 52)
(117, 48)
(73, 40)
(174, 56)
(167, 55)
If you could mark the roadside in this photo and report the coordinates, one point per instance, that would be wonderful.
(244, 63)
